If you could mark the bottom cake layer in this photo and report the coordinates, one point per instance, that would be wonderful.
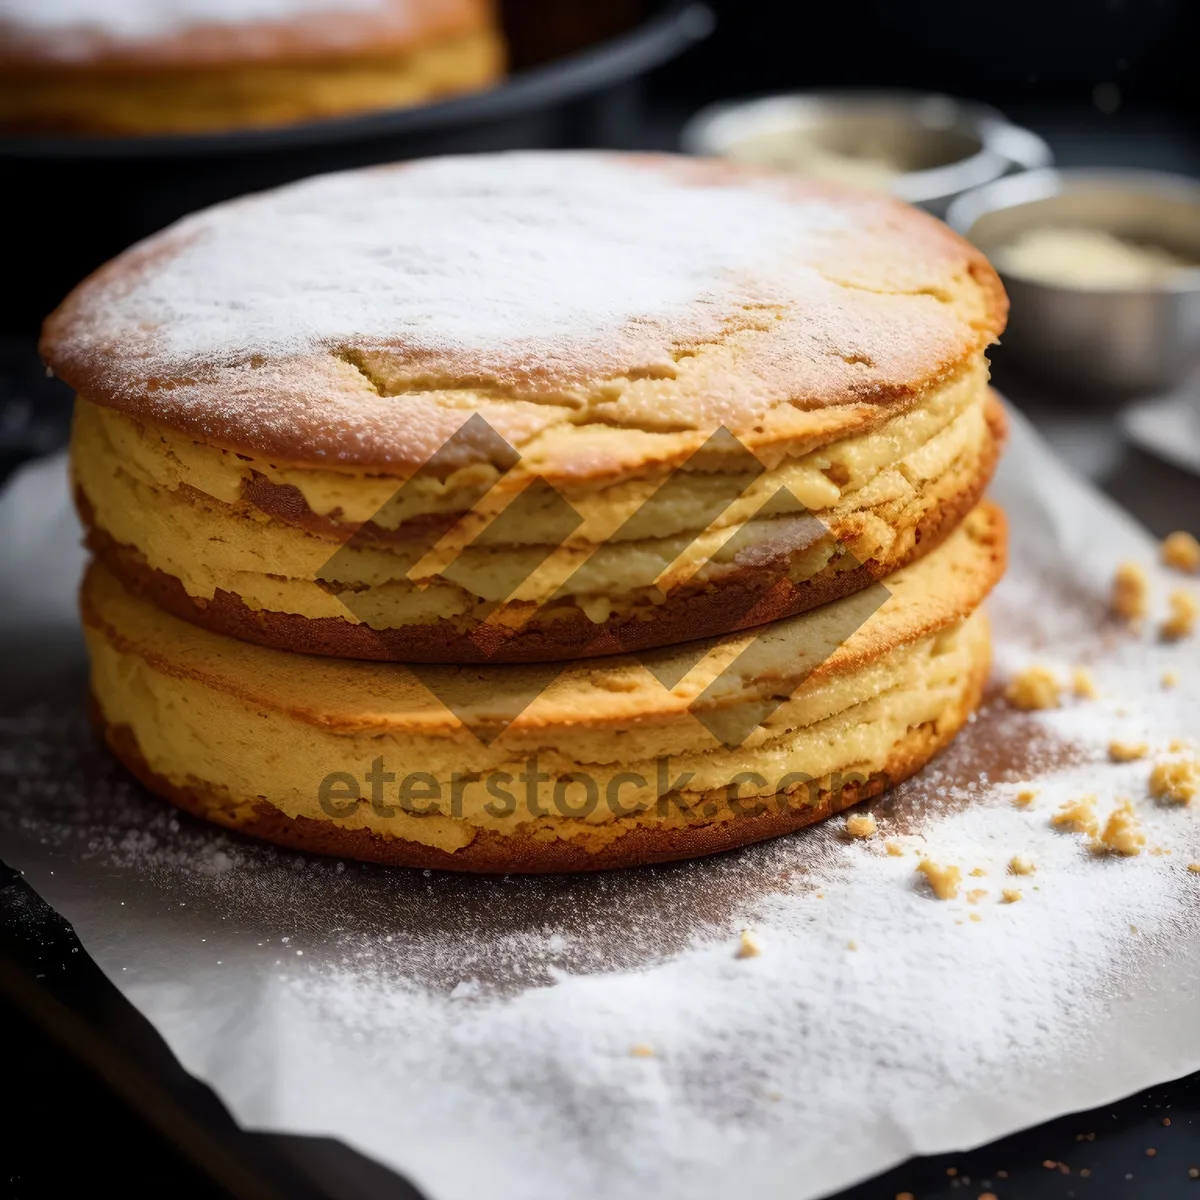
(601, 764)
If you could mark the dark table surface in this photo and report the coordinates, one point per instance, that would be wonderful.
(96, 1099)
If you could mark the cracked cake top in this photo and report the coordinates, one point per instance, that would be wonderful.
(601, 312)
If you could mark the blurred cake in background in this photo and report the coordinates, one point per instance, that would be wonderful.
(125, 67)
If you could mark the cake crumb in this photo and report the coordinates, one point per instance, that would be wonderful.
(1194, 1172)
(975, 895)
(1011, 895)
(861, 825)
(1181, 551)
(1185, 608)
(1020, 865)
(1170, 679)
(1130, 592)
(976, 917)
(1176, 779)
(1025, 798)
(1034, 688)
(975, 874)
(1079, 815)
(748, 945)
(904, 1196)
(943, 880)
(1194, 868)
(851, 945)
(639, 1050)
(1150, 1152)
(1127, 751)
(894, 849)
(1123, 832)
(1083, 685)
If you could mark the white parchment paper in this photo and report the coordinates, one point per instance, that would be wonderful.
(549, 1037)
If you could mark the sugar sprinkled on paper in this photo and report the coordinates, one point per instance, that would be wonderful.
(571, 974)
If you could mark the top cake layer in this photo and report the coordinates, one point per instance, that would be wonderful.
(159, 34)
(602, 314)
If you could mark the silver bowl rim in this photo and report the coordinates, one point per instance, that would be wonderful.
(1003, 144)
(965, 212)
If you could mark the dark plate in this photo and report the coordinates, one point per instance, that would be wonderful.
(626, 56)
(77, 201)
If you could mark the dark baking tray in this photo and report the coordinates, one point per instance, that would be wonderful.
(74, 202)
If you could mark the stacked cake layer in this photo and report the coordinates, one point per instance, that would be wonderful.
(650, 487)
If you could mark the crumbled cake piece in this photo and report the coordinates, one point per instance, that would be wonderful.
(976, 917)
(1011, 895)
(1020, 865)
(851, 945)
(1123, 832)
(1034, 688)
(1170, 679)
(1127, 751)
(1185, 608)
(975, 895)
(1176, 779)
(1130, 592)
(1181, 551)
(748, 945)
(943, 880)
(1025, 798)
(1079, 815)
(1194, 867)
(861, 825)
(894, 849)
(641, 1051)
(975, 874)
(1083, 685)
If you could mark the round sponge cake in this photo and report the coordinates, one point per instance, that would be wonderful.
(188, 66)
(528, 407)
(610, 763)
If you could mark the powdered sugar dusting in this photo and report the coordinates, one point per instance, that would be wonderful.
(600, 1035)
(458, 254)
(142, 20)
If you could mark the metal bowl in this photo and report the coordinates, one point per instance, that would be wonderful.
(932, 147)
(1120, 340)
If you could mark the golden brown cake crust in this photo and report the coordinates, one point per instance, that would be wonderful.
(309, 35)
(945, 587)
(495, 853)
(847, 310)
(741, 601)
